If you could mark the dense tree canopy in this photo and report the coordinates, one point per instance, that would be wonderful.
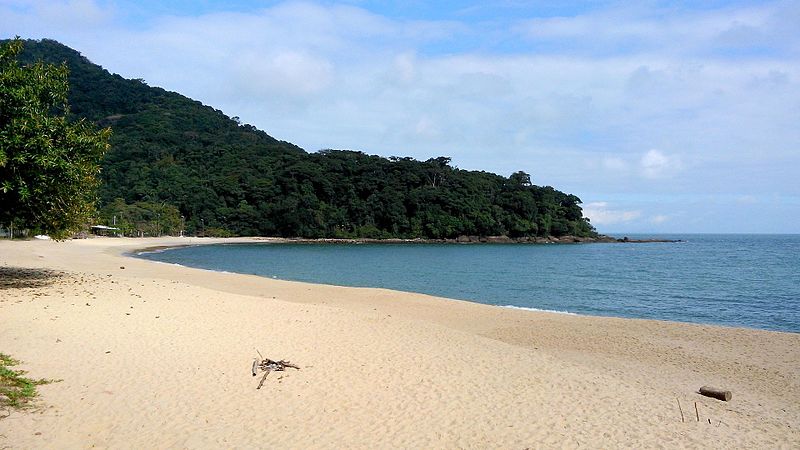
(48, 163)
(168, 150)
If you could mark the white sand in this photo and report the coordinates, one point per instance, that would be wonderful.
(159, 356)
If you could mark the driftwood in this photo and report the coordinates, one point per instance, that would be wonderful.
(267, 365)
(719, 394)
(261, 383)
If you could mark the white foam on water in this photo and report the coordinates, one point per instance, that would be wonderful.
(540, 310)
(167, 263)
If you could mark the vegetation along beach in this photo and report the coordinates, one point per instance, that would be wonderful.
(399, 225)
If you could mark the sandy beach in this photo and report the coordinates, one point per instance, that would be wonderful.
(154, 355)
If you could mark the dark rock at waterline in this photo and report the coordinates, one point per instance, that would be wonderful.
(463, 239)
(628, 240)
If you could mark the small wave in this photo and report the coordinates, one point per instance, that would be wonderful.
(167, 263)
(540, 310)
(162, 249)
(149, 252)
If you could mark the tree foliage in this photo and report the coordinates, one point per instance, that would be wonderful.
(48, 163)
(230, 177)
(142, 218)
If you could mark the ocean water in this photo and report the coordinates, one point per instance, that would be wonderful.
(736, 280)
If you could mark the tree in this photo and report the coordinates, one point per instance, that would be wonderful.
(142, 218)
(520, 179)
(48, 163)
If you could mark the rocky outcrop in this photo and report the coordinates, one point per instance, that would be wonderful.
(463, 239)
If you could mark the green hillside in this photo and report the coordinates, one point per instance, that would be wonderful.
(172, 156)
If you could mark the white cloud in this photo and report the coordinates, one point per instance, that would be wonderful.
(426, 127)
(404, 64)
(86, 12)
(615, 163)
(648, 28)
(659, 219)
(60, 16)
(282, 73)
(655, 164)
(600, 214)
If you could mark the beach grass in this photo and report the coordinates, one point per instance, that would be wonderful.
(16, 390)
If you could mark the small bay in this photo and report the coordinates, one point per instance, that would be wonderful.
(735, 280)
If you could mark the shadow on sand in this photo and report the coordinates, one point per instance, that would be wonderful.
(23, 277)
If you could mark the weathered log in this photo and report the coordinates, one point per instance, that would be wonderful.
(255, 366)
(719, 394)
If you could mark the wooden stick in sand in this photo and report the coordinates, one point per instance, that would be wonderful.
(261, 383)
(680, 409)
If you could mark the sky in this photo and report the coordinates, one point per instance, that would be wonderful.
(662, 116)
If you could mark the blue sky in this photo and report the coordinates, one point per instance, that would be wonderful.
(660, 116)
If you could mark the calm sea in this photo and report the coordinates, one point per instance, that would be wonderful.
(739, 280)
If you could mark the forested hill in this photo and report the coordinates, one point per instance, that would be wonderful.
(172, 156)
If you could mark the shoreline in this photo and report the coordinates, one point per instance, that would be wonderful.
(461, 240)
(134, 251)
(379, 367)
(266, 241)
(135, 254)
